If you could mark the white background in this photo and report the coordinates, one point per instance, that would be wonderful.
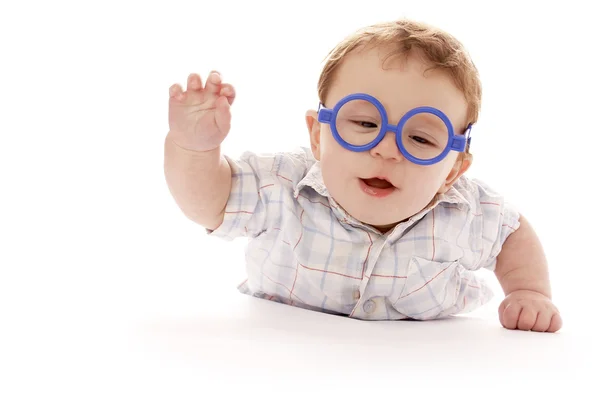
(107, 291)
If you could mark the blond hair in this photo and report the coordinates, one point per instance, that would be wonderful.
(439, 49)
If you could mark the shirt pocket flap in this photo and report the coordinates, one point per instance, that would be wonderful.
(431, 288)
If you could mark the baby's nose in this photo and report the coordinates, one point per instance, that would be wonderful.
(388, 148)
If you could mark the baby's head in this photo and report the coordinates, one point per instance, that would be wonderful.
(402, 65)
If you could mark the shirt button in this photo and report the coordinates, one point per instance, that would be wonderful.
(356, 294)
(369, 306)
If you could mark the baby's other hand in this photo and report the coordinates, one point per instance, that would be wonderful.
(200, 117)
(527, 310)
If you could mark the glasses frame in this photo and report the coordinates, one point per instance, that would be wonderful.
(455, 142)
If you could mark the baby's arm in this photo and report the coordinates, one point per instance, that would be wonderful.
(199, 182)
(521, 264)
(197, 174)
(522, 271)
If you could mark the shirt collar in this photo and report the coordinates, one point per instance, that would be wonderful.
(314, 180)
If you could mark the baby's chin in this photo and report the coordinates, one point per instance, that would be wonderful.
(385, 228)
(382, 225)
(378, 214)
(377, 218)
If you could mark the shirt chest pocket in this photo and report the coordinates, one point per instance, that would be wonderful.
(431, 288)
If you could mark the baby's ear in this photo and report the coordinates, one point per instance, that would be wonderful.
(314, 131)
(461, 165)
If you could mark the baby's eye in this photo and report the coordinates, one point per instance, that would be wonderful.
(365, 124)
(421, 140)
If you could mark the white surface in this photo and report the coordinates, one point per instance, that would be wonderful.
(253, 348)
(106, 291)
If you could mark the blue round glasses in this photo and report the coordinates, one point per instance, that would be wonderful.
(424, 135)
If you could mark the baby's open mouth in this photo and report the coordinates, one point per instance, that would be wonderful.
(377, 183)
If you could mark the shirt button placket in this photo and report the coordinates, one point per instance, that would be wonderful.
(369, 306)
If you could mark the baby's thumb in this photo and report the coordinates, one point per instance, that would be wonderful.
(223, 114)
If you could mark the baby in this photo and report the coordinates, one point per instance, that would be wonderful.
(376, 220)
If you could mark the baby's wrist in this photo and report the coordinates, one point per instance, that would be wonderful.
(192, 152)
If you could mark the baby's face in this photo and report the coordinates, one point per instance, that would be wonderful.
(400, 87)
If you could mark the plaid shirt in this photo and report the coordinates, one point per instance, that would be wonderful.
(305, 250)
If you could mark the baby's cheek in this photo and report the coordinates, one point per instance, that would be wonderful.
(336, 179)
(333, 162)
(332, 176)
(421, 190)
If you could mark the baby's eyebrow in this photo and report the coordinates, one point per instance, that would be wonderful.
(428, 119)
(359, 108)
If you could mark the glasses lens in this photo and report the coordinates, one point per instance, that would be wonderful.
(358, 122)
(424, 136)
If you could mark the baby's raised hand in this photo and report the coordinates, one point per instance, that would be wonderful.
(200, 117)
(527, 310)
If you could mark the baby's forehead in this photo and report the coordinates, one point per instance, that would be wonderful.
(400, 81)
(389, 69)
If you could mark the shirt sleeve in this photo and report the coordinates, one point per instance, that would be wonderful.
(247, 206)
(494, 219)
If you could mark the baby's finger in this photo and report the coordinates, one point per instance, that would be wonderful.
(511, 314)
(527, 319)
(213, 83)
(194, 82)
(556, 323)
(223, 114)
(228, 91)
(543, 321)
(175, 91)
(501, 309)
